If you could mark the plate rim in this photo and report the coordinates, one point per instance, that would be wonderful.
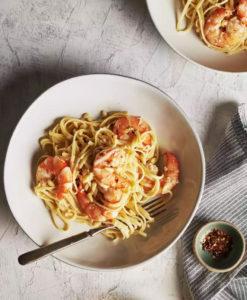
(170, 44)
(171, 100)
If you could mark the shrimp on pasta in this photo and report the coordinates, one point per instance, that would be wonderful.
(101, 171)
(222, 25)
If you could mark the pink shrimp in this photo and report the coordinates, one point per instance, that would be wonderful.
(242, 11)
(112, 186)
(106, 168)
(94, 211)
(57, 170)
(171, 173)
(223, 29)
(125, 128)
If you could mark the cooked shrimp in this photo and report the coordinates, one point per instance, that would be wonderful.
(107, 165)
(94, 211)
(224, 30)
(171, 173)
(55, 169)
(125, 128)
(242, 11)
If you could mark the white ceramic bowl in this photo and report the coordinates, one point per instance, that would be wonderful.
(93, 93)
(188, 44)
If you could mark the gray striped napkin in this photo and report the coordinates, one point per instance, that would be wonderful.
(224, 198)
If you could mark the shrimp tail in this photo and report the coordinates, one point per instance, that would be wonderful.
(171, 173)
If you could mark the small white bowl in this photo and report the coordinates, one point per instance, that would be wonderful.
(188, 44)
(93, 93)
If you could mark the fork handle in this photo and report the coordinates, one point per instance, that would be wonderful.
(38, 253)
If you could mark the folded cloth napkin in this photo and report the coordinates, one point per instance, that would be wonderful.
(224, 198)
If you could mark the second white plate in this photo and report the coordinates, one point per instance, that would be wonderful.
(188, 44)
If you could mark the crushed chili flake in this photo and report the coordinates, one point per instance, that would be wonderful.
(218, 243)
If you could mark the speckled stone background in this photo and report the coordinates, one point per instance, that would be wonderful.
(43, 42)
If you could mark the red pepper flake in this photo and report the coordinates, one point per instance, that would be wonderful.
(218, 243)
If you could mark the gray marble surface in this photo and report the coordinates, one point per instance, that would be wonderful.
(44, 42)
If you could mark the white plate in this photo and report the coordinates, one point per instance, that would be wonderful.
(188, 44)
(93, 93)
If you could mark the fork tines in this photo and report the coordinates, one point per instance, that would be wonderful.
(156, 206)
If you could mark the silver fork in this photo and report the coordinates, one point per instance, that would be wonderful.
(157, 208)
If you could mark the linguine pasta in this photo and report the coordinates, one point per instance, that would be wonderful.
(78, 141)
